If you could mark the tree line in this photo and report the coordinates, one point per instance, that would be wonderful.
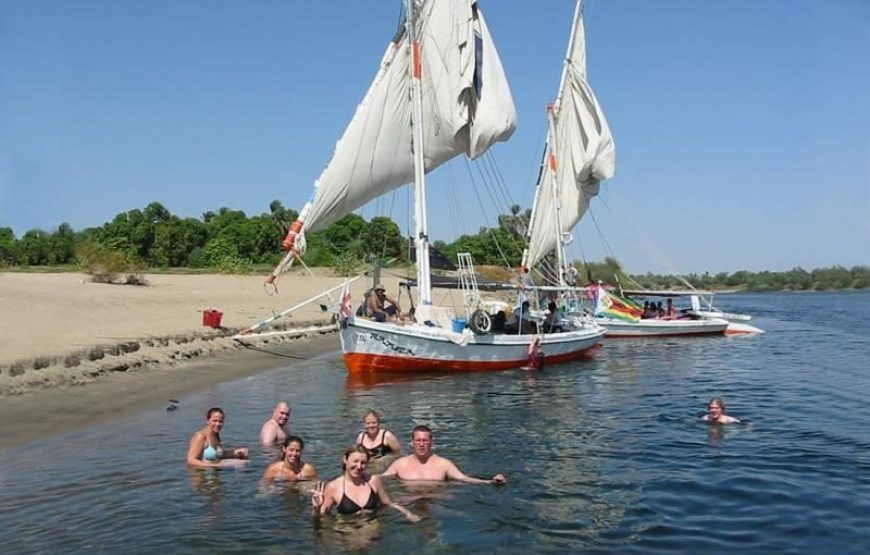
(230, 241)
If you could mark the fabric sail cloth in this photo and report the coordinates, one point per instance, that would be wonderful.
(467, 107)
(613, 306)
(581, 149)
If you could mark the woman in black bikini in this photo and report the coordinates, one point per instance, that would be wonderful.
(354, 491)
(376, 441)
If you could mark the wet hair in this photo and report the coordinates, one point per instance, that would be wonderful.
(214, 410)
(350, 451)
(525, 305)
(297, 439)
(422, 428)
(718, 401)
(372, 412)
(551, 307)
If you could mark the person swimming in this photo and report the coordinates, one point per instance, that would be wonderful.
(205, 449)
(291, 466)
(377, 441)
(716, 413)
(354, 491)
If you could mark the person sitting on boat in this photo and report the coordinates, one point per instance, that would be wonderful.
(423, 464)
(377, 441)
(552, 323)
(646, 311)
(660, 311)
(499, 320)
(291, 466)
(378, 308)
(206, 449)
(670, 311)
(520, 320)
(716, 413)
(354, 491)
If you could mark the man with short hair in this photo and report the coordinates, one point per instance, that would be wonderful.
(423, 464)
(275, 429)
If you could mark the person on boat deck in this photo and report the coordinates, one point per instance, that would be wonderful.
(206, 449)
(276, 428)
(571, 276)
(660, 311)
(552, 323)
(378, 308)
(423, 464)
(354, 491)
(716, 413)
(291, 466)
(377, 441)
(520, 320)
(645, 313)
(499, 319)
(670, 311)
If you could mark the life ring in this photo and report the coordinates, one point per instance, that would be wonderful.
(480, 322)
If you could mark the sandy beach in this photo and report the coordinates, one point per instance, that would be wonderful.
(94, 351)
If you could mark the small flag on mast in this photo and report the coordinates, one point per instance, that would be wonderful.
(344, 310)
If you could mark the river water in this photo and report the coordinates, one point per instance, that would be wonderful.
(606, 455)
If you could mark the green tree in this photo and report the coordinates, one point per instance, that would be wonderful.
(8, 247)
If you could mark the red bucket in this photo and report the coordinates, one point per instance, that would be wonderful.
(212, 318)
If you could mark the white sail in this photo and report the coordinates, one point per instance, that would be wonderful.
(584, 155)
(467, 107)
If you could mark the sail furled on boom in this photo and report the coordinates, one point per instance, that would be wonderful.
(467, 107)
(584, 152)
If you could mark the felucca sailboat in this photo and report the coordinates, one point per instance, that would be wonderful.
(440, 92)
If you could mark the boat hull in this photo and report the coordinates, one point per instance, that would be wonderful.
(382, 347)
(663, 328)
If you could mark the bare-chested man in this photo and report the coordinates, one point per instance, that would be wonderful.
(275, 430)
(423, 464)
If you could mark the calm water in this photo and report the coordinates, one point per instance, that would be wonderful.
(601, 456)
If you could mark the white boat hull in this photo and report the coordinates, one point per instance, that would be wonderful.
(730, 316)
(662, 328)
(370, 346)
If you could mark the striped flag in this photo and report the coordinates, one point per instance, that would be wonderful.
(344, 310)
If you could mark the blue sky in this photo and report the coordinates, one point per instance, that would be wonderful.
(742, 128)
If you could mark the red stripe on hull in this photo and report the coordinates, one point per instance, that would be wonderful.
(360, 362)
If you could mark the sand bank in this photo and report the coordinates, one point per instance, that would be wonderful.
(61, 329)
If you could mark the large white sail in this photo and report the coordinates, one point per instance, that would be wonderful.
(467, 107)
(581, 150)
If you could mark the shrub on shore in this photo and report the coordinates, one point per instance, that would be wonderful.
(106, 265)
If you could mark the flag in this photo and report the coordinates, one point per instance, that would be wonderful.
(344, 311)
(614, 306)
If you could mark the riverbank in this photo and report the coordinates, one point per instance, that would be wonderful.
(48, 412)
(61, 330)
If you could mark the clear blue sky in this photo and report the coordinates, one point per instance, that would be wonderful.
(742, 128)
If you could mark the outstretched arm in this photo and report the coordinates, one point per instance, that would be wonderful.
(378, 485)
(454, 473)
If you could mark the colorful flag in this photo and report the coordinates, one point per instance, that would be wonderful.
(614, 306)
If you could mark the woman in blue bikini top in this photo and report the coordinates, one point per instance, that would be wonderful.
(205, 450)
(354, 491)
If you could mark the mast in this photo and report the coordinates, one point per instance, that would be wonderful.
(421, 237)
(557, 201)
